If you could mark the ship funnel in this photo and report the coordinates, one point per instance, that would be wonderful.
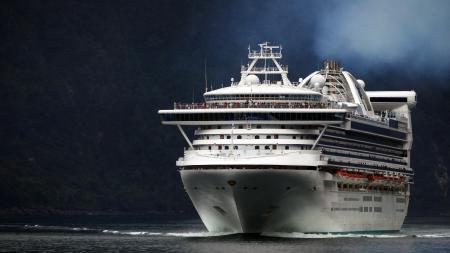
(331, 65)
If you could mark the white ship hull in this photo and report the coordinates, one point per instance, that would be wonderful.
(265, 200)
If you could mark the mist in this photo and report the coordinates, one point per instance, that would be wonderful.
(407, 36)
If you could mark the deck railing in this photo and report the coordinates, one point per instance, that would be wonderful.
(290, 105)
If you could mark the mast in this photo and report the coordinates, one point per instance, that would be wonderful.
(206, 78)
(267, 53)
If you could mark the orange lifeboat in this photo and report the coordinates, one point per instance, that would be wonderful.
(350, 176)
(376, 177)
(384, 179)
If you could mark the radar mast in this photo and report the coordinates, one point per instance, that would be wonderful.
(266, 53)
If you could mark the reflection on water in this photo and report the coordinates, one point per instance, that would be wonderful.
(190, 236)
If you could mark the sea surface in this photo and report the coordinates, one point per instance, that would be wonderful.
(419, 235)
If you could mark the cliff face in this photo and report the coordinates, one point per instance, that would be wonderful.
(78, 100)
(431, 152)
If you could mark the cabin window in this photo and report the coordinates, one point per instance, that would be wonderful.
(235, 147)
(256, 136)
(239, 137)
(268, 137)
(266, 147)
(274, 146)
(275, 136)
(256, 147)
(227, 147)
(286, 147)
(228, 137)
(367, 198)
(209, 147)
(221, 136)
(220, 147)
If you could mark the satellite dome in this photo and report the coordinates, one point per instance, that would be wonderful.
(318, 79)
(317, 86)
(252, 79)
(361, 83)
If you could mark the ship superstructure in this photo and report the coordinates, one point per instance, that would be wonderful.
(318, 155)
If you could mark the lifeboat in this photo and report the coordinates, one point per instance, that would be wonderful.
(350, 176)
(385, 179)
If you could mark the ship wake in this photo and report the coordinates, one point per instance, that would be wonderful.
(438, 232)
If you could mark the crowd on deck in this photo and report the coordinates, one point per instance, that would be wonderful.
(252, 104)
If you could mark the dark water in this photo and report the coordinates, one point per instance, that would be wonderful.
(191, 236)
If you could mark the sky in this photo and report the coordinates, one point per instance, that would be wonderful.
(407, 40)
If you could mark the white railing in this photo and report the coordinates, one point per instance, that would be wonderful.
(254, 55)
(264, 69)
(291, 105)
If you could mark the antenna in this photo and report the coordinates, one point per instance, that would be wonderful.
(206, 77)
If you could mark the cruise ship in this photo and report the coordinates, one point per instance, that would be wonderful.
(320, 155)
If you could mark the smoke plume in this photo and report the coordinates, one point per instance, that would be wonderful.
(413, 35)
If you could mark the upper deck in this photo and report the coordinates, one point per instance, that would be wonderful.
(327, 96)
